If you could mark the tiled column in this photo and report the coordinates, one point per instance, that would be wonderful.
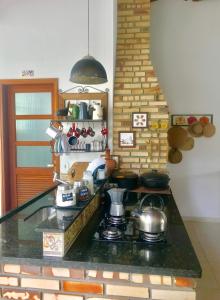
(137, 90)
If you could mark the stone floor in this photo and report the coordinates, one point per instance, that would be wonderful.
(205, 238)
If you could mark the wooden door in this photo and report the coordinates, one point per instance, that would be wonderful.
(27, 114)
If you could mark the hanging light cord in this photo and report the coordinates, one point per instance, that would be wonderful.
(88, 27)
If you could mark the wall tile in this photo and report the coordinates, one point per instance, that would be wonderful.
(77, 273)
(47, 296)
(57, 272)
(11, 281)
(30, 270)
(137, 278)
(83, 287)
(129, 291)
(184, 282)
(173, 295)
(124, 276)
(11, 268)
(19, 294)
(92, 273)
(40, 283)
(107, 275)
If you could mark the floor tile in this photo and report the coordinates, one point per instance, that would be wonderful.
(208, 294)
(208, 279)
(195, 242)
(207, 234)
(215, 266)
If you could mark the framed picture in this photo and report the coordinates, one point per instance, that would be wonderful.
(127, 139)
(139, 120)
(187, 120)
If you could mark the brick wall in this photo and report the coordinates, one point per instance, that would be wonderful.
(137, 90)
(49, 283)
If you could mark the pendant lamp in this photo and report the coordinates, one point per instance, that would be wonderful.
(88, 70)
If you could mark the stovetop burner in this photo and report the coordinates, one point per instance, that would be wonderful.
(112, 220)
(111, 233)
(152, 237)
(124, 230)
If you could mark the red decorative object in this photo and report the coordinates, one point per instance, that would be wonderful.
(191, 120)
(204, 120)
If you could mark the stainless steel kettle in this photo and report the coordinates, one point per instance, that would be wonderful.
(151, 219)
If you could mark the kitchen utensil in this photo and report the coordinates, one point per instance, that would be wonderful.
(88, 147)
(97, 112)
(84, 132)
(175, 156)
(126, 180)
(209, 130)
(90, 131)
(177, 136)
(75, 173)
(151, 219)
(73, 140)
(104, 131)
(63, 111)
(83, 113)
(74, 108)
(116, 195)
(90, 111)
(154, 179)
(65, 143)
(54, 130)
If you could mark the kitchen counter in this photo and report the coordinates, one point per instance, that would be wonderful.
(21, 242)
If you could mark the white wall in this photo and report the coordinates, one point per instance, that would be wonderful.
(49, 36)
(185, 50)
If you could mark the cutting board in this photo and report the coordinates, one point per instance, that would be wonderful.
(75, 172)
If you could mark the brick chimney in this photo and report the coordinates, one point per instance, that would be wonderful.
(137, 90)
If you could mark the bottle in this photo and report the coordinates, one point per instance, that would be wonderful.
(87, 175)
(84, 192)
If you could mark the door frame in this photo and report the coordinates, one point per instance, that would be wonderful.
(4, 155)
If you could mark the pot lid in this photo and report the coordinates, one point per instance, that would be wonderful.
(121, 175)
(155, 175)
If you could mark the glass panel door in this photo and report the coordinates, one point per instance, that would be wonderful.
(33, 103)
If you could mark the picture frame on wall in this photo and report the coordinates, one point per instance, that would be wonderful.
(139, 120)
(127, 139)
(188, 119)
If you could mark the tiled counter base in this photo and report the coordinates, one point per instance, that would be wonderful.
(48, 283)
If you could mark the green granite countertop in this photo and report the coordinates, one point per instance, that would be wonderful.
(20, 242)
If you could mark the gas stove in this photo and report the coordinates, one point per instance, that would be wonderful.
(123, 229)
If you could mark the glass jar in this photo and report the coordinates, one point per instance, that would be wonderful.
(83, 191)
(76, 187)
(87, 175)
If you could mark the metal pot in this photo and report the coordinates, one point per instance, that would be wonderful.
(151, 219)
(155, 180)
(127, 180)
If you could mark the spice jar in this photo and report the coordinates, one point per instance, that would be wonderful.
(83, 191)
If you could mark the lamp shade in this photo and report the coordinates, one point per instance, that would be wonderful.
(88, 71)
